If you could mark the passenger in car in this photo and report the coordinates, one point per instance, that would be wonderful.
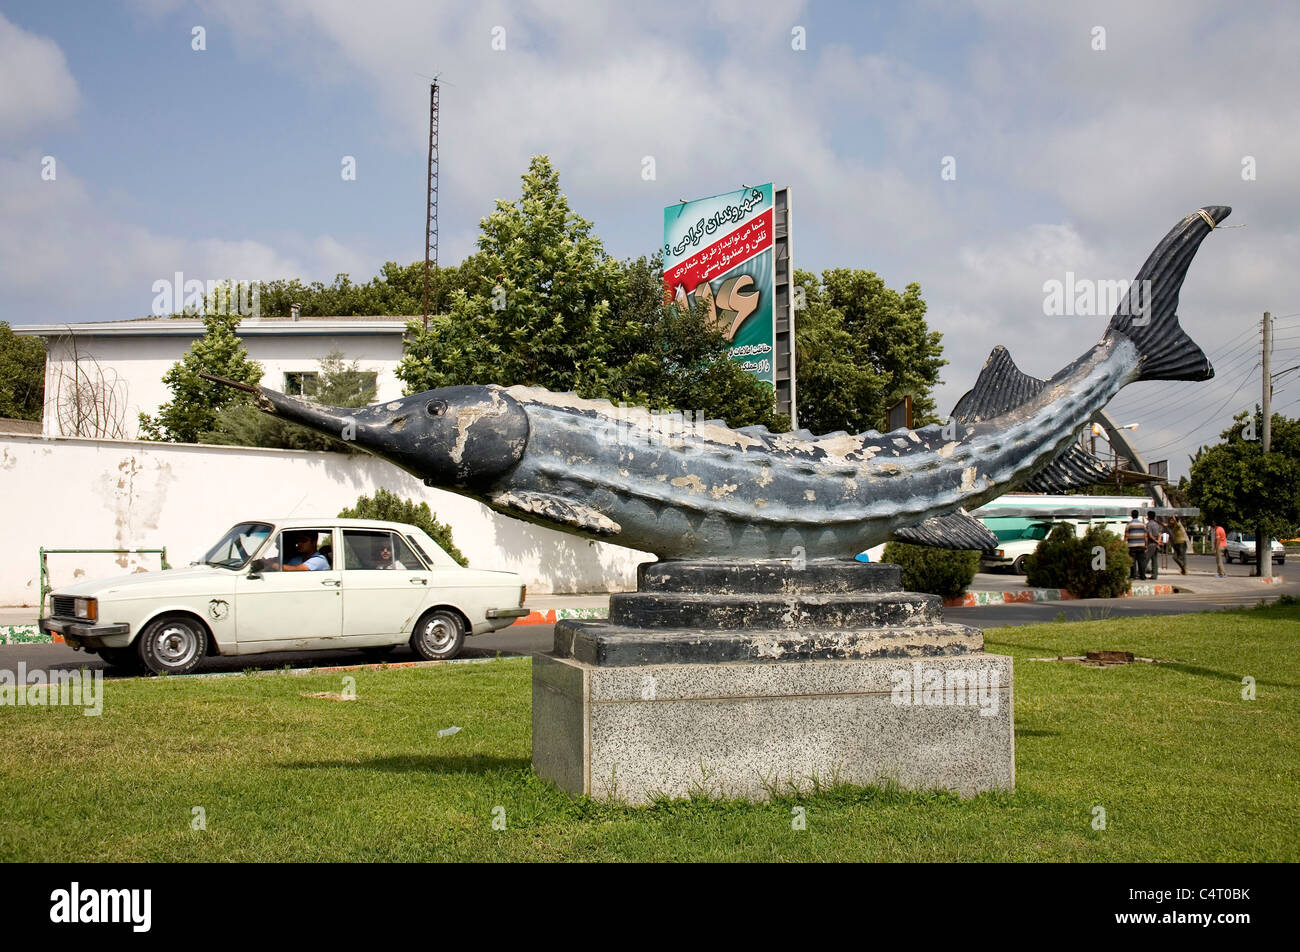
(384, 559)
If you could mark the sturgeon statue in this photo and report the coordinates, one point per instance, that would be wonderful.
(707, 491)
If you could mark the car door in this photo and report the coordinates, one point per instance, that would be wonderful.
(385, 586)
(277, 609)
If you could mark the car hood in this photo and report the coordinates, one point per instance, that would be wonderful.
(126, 585)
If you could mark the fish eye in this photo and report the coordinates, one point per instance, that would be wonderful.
(436, 407)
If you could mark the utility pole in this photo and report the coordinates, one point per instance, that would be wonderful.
(431, 204)
(1263, 544)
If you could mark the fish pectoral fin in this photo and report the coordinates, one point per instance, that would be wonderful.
(959, 530)
(555, 509)
(1072, 469)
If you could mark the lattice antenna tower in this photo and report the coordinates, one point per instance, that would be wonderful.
(431, 213)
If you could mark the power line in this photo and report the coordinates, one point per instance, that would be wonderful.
(1208, 420)
(1180, 401)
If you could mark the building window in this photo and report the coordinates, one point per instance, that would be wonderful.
(302, 384)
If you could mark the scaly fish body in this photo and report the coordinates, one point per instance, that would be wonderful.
(707, 491)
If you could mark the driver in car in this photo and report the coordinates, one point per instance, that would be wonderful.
(306, 558)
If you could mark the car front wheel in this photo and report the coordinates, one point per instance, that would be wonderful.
(438, 636)
(172, 645)
(124, 659)
(1019, 566)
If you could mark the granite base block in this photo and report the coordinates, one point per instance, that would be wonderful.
(751, 730)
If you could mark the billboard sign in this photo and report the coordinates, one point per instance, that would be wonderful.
(719, 251)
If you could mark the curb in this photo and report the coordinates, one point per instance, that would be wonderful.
(552, 615)
(26, 635)
(971, 599)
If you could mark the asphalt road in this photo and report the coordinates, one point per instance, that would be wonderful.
(535, 639)
(516, 640)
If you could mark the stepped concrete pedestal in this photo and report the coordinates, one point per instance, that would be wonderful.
(752, 679)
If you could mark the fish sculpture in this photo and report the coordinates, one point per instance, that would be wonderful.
(706, 491)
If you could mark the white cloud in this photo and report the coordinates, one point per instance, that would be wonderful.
(36, 87)
(64, 256)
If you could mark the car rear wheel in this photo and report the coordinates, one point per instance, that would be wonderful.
(439, 635)
(172, 645)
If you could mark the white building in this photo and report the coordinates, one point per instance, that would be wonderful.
(100, 376)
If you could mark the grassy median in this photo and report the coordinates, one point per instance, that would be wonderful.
(1184, 767)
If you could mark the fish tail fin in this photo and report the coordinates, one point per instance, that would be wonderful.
(1148, 314)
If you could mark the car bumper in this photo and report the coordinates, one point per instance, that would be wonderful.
(500, 618)
(80, 634)
(1249, 556)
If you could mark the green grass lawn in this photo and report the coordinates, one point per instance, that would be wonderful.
(1183, 766)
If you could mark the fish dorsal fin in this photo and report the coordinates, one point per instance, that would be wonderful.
(555, 509)
(958, 530)
(1000, 388)
(1072, 469)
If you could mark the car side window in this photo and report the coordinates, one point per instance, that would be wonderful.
(287, 550)
(376, 550)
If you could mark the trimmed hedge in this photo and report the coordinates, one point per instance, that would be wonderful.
(388, 507)
(1072, 562)
(943, 572)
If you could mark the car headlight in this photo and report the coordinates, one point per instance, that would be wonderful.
(1002, 554)
(87, 608)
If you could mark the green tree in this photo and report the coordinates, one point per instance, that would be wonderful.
(860, 347)
(1237, 485)
(397, 290)
(671, 358)
(542, 304)
(22, 375)
(340, 385)
(196, 402)
(535, 313)
(387, 506)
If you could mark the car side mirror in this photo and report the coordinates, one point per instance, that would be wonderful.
(256, 568)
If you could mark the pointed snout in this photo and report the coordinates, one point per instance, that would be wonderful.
(463, 437)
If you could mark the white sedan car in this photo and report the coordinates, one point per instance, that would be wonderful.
(290, 585)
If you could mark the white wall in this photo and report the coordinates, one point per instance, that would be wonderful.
(80, 493)
(136, 363)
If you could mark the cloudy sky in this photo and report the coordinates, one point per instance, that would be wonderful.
(1079, 134)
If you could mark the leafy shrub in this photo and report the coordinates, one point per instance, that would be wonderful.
(387, 507)
(1066, 560)
(943, 572)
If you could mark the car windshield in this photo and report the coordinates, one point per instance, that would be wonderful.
(238, 545)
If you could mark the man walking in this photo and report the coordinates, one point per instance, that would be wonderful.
(1178, 539)
(1220, 547)
(1154, 531)
(1135, 537)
